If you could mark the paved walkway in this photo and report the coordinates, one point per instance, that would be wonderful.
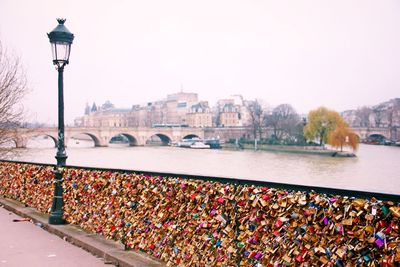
(34, 242)
(23, 243)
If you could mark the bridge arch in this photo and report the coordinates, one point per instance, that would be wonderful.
(376, 138)
(132, 140)
(378, 134)
(158, 139)
(12, 143)
(191, 136)
(94, 138)
(44, 136)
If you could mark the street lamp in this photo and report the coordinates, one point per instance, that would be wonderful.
(61, 39)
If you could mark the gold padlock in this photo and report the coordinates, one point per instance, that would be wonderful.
(395, 211)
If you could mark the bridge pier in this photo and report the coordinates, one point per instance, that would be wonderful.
(102, 142)
(142, 139)
(20, 142)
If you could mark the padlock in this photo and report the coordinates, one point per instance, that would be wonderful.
(395, 211)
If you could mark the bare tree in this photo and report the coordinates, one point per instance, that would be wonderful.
(216, 116)
(284, 121)
(13, 87)
(363, 115)
(378, 113)
(256, 113)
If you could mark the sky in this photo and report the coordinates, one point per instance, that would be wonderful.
(341, 54)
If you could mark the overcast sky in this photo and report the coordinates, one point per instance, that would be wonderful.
(340, 54)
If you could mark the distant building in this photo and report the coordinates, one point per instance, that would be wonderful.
(199, 115)
(172, 110)
(178, 105)
(229, 116)
(185, 109)
(232, 112)
(109, 118)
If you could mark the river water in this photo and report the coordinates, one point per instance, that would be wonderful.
(375, 169)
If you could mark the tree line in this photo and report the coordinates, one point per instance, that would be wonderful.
(322, 126)
(382, 115)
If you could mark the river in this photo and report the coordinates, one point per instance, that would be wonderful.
(375, 169)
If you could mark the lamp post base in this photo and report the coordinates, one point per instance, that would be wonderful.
(56, 218)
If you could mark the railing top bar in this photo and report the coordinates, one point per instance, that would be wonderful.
(239, 181)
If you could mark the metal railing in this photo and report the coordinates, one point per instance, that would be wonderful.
(239, 181)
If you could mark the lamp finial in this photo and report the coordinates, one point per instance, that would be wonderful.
(61, 21)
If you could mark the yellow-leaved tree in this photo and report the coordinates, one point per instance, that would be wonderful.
(320, 123)
(327, 126)
(343, 136)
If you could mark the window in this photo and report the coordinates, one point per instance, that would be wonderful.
(181, 105)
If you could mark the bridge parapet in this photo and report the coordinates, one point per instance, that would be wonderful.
(102, 136)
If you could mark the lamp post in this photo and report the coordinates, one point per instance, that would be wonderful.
(61, 39)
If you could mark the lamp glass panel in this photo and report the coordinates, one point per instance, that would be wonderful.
(54, 51)
(61, 51)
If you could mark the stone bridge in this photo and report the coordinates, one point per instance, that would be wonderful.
(102, 136)
(389, 133)
(140, 136)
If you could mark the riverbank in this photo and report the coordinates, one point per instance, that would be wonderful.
(311, 150)
(189, 222)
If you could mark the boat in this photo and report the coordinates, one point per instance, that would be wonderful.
(174, 144)
(385, 142)
(200, 145)
(388, 142)
(213, 143)
(197, 143)
(185, 143)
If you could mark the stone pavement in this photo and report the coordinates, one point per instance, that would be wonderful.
(23, 242)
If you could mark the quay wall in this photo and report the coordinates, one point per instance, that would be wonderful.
(205, 221)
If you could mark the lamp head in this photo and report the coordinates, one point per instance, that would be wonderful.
(61, 39)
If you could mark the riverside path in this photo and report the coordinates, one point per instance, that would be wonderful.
(23, 243)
